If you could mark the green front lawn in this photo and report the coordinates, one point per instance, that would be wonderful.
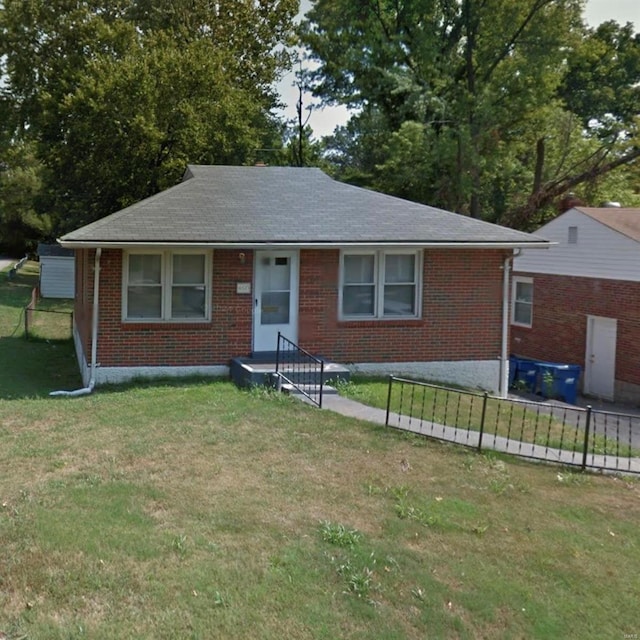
(196, 510)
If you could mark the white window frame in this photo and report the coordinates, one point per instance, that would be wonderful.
(166, 284)
(379, 256)
(514, 289)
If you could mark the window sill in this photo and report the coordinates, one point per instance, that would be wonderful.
(134, 325)
(377, 322)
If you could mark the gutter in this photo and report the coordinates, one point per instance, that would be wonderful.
(94, 335)
(73, 244)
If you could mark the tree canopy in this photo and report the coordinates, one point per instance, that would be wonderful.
(114, 97)
(492, 108)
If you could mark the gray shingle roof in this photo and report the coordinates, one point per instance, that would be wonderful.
(220, 204)
(53, 250)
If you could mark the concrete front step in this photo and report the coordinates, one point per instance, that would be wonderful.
(246, 372)
(309, 389)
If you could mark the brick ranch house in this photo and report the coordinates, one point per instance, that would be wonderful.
(214, 267)
(579, 303)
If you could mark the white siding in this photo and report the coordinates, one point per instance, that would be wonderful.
(600, 252)
(57, 277)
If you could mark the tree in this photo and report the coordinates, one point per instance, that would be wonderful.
(20, 182)
(118, 95)
(602, 82)
(140, 120)
(464, 96)
(601, 92)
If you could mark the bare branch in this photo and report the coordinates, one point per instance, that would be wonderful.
(520, 217)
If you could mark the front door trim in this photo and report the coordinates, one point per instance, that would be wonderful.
(265, 335)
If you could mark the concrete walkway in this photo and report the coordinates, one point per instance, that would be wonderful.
(353, 409)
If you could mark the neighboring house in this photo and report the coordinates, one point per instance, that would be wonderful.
(579, 302)
(214, 267)
(57, 271)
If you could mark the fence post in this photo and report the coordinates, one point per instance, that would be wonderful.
(587, 427)
(386, 422)
(278, 354)
(484, 412)
(321, 383)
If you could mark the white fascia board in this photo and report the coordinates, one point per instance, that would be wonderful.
(70, 244)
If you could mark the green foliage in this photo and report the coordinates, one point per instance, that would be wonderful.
(339, 535)
(479, 108)
(20, 183)
(359, 580)
(602, 83)
(180, 545)
(143, 118)
(299, 150)
(119, 96)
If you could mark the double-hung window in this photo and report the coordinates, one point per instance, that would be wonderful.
(166, 286)
(522, 302)
(380, 284)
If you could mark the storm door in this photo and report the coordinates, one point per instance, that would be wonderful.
(275, 298)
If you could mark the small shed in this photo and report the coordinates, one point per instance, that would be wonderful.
(57, 271)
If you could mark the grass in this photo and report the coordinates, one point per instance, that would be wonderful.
(195, 510)
(50, 320)
(562, 429)
(36, 366)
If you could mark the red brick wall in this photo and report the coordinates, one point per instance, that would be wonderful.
(461, 312)
(561, 305)
(177, 344)
(461, 315)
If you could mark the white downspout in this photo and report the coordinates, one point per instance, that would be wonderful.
(504, 355)
(504, 350)
(94, 334)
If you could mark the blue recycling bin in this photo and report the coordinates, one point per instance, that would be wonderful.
(513, 366)
(559, 381)
(526, 374)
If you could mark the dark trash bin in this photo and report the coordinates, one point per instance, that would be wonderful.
(559, 381)
(513, 366)
(526, 374)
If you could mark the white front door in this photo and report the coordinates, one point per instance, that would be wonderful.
(276, 298)
(600, 357)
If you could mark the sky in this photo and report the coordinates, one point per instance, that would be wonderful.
(323, 121)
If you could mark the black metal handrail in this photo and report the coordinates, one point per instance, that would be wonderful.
(299, 368)
(582, 437)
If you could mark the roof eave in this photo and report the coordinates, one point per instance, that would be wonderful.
(95, 244)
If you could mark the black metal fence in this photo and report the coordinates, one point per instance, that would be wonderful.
(298, 368)
(534, 429)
